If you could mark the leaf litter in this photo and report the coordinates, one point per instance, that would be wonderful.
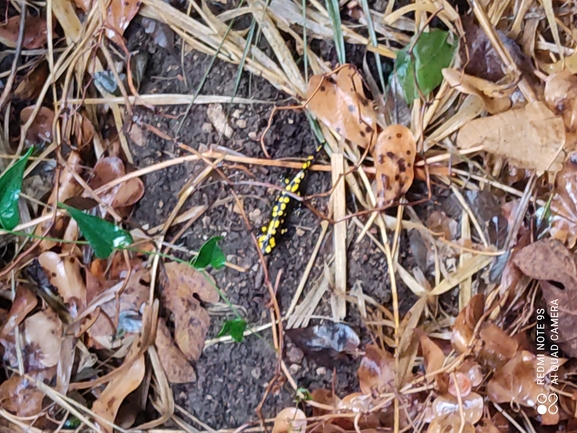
(103, 313)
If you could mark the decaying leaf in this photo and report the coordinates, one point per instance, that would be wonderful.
(120, 13)
(377, 370)
(519, 135)
(191, 321)
(496, 97)
(564, 203)
(326, 343)
(340, 103)
(394, 154)
(498, 347)
(31, 86)
(64, 274)
(550, 261)
(43, 336)
(561, 96)
(175, 364)
(35, 33)
(464, 327)
(40, 131)
(21, 396)
(290, 420)
(107, 405)
(120, 196)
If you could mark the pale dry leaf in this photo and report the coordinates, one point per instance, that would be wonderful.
(290, 420)
(20, 395)
(564, 203)
(376, 371)
(520, 135)
(64, 274)
(432, 353)
(561, 95)
(190, 318)
(174, 363)
(107, 405)
(465, 323)
(496, 97)
(341, 104)
(215, 114)
(394, 154)
(43, 336)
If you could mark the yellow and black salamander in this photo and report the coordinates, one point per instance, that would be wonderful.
(270, 232)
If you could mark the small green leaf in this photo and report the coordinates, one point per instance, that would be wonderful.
(235, 328)
(210, 254)
(10, 188)
(103, 236)
(431, 54)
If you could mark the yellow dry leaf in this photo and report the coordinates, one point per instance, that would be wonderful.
(495, 96)
(532, 137)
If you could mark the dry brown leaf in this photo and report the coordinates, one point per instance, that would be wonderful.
(64, 274)
(473, 371)
(43, 336)
(549, 260)
(175, 364)
(561, 96)
(496, 97)
(519, 135)
(394, 154)
(31, 86)
(459, 385)
(40, 131)
(24, 302)
(20, 395)
(120, 196)
(35, 34)
(447, 407)
(120, 13)
(439, 222)
(107, 405)
(326, 397)
(464, 327)
(191, 321)
(290, 420)
(337, 103)
(377, 370)
(516, 381)
(564, 203)
(78, 129)
(432, 353)
(498, 346)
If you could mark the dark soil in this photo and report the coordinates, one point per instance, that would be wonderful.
(232, 378)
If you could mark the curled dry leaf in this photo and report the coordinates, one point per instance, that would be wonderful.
(377, 370)
(191, 321)
(564, 203)
(40, 131)
(340, 102)
(464, 327)
(496, 97)
(290, 420)
(519, 135)
(43, 336)
(175, 364)
(35, 33)
(120, 13)
(394, 154)
(516, 381)
(549, 260)
(120, 196)
(561, 96)
(24, 302)
(216, 115)
(107, 405)
(21, 396)
(64, 274)
(326, 343)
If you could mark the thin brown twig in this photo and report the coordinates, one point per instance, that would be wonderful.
(19, 44)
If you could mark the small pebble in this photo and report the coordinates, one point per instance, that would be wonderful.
(294, 368)
(236, 113)
(256, 373)
(241, 123)
(206, 127)
(295, 355)
(253, 136)
(321, 371)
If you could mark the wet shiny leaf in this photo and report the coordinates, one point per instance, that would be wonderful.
(35, 34)
(377, 370)
(234, 328)
(210, 254)
(10, 188)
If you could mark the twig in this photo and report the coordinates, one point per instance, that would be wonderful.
(19, 43)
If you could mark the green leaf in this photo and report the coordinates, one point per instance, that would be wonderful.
(10, 188)
(210, 254)
(431, 54)
(103, 236)
(235, 328)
